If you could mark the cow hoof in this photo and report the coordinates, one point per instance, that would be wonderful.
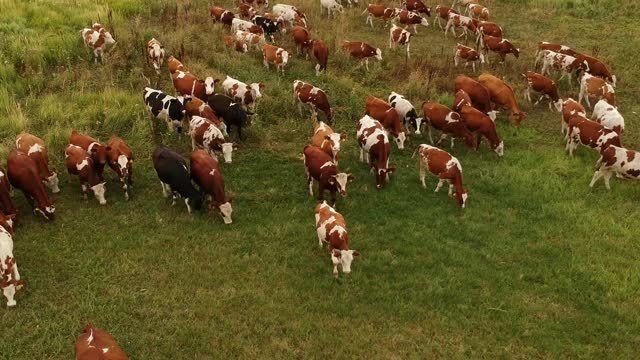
(11, 303)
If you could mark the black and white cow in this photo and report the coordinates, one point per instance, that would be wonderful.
(231, 112)
(174, 177)
(406, 111)
(166, 107)
(269, 26)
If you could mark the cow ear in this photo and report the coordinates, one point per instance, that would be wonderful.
(11, 216)
(94, 149)
(343, 136)
(351, 178)
(261, 86)
(327, 137)
(356, 253)
(332, 179)
(230, 199)
(337, 253)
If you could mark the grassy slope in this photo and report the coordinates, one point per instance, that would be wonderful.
(538, 265)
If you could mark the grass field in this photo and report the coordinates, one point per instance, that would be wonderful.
(537, 266)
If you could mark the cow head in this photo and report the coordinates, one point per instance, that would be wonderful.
(52, 182)
(461, 197)
(98, 192)
(209, 85)
(46, 211)
(256, 91)
(98, 153)
(227, 151)
(378, 54)
(493, 114)
(516, 52)
(499, 149)
(517, 117)
(340, 181)
(382, 176)
(558, 105)
(424, 22)
(343, 258)
(334, 139)
(225, 211)
(400, 139)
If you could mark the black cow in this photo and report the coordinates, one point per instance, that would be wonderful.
(269, 26)
(174, 177)
(232, 112)
(166, 107)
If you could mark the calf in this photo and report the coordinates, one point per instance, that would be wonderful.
(332, 230)
(545, 87)
(468, 54)
(81, 164)
(96, 39)
(96, 344)
(321, 53)
(246, 38)
(406, 111)
(589, 133)
(269, 27)
(120, 159)
(481, 125)
(302, 38)
(205, 172)
(174, 177)
(316, 98)
(319, 166)
(596, 87)
(379, 11)
(97, 151)
(9, 276)
(500, 46)
(466, 23)
(197, 107)
(478, 11)
(374, 148)
(388, 117)
(618, 161)
(417, 6)
(272, 54)
(231, 112)
(189, 85)
(238, 45)
(290, 14)
(328, 141)
(246, 95)
(205, 134)
(448, 122)
(503, 97)
(174, 65)
(6, 204)
(332, 7)
(408, 18)
(478, 93)
(166, 107)
(608, 115)
(446, 167)
(570, 107)
(22, 172)
(443, 12)
(244, 25)
(219, 14)
(246, 11)
(36, 149)
(398, 35)
(597, 68)
(566, 64)
(155, 54)
(362, 51)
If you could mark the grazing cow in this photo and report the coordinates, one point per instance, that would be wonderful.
(589, 133)
(596, 87)
(500, 46)
(272, 54)
(566, 64)
(332, 230)
(321, 53)
(166, 107)
(408, 18)
(244, 25)
(332, 7)
(374, 148)
(290, 14)
(246, 38)
(608, 115)
(174, 65)
(468, 54)
(319, 166)
(460, 99)
(155, 54)
(174, 177)
(446, 167)
(488, 28)
(482, 125)
(362, 51)
(96, 39)
(545, 86)
(570, 107)
(239, 46)
(406, 111)
(379, 11)
(80, 163)
(96, 344)
(327, 140)
(205, 134)
(316, 98)
(231, 112)
(478, 11)
(197, 107)
(388, 117)
(417, 6)
(246, 95)
(398, 35)
(466, 23)
(35, 148)
(557, 48)
(448, 122)
(6, 204)
(618, 161)
(269, 26)
(205, 172)
(9, 276)
(22, 172)
(219, 14)
(246, 11)
(443, 12)
(478, 93)
(597, 68)
(97, 151)
(503, 96)
(120, 159)
(302, 38)
(189, 85)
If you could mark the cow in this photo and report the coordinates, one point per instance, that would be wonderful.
(321, 53)
(246, 38)
(500, 46)
(596, 87)
(460, 99)
(244, 25)
(302, 39)
(328, 141)
(444, 166)
(597, 68)
(468, 54)
(272, 54)
(466, 23)
(546, 87)
(332, 230)
(155, 54)
(442, 12)
(230, 111)
(478, 93)
(120, 159)
(9, 276)
(317, 99)
(463, 3)
(219, 14)
(379, 11)
(269, 27)
(362, 51)
(448, 122)
(398, 35)
(205, 172)
(36, 149)
(570, 107)
(96, 344)
(502, 96)
(478, 11)
(80, 163)
(332, 7)
(319, 166)
(246, 11)
(22, 173)
(589, 133)
(97, 38)
(566, 64)
(608, 115)
(408, 18)
(205, 134)
(290, 14)
(417, 6)
(388, 117)
(618, 161)
(557, 48)
(188, 85)
(239, 46)
(488, 28)
(166, 107)
(197, 107)
(374, 148)
(6, 204)
(407, 112)
(174, 65)
(171, 169)
(97, 151)
(246, 95)
(481, 125)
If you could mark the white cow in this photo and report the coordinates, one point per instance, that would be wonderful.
(96, 39)
(290, 14)
(332, 7)
(239, 24)
(609, 116)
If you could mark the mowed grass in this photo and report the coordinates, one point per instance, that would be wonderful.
(537, 265)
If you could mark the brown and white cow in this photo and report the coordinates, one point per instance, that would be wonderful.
(448, 122)
(246, 11)
(175, 65)
(482, 126)
(197, 107)
(120, 159)
(466, 23)
(332, 230)
(302, 38)
(187, 84)
(478, 11)
(321, 53)
(244, 25)
(9, 276)
(319, 166)
(246, 38)
(205, 172)
(479, 94)
(96, 344)
(375, 148)
(502, 96)
(97, 151)
(155, 54)
(468, 54)
(6, 204)
(246, 95)
(97, 38)
(570, 107)
(409, 18)
(239, 46)
(291, 14)
(618, 161)
(609, 116)
(80, 163)
(379, 11)
(488, 28)
(500, 46)
(597, 68)
(23, 174)
(36, 149)
(388, 117)
(362, 51)
(557, 48)
(566, 64)
(272, 54)
(398, 35)
(219, 14)
(589, 133)
(205, 134)
(591, 86)
(417, 6)
(316, 98)
(327, 140)
(444, 166)
(442, 13)
(546, 87)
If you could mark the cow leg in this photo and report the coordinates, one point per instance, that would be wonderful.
(423, 174)
(9, 293)
(335, 261)
(84, 191)
(366, 63)
(173, 198)
(452, 138)
(408, 55)
(415, 29)
(361, 154)
(186, 201)
(300, 108)
(314, 112)
(442, 137)
(430, 137)
(596, 176)
(474, 66)
(310, 184)
(456, 58)
(540, 99)
(440, 183)
(165, 189)
(333, 199)
(265, 62)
